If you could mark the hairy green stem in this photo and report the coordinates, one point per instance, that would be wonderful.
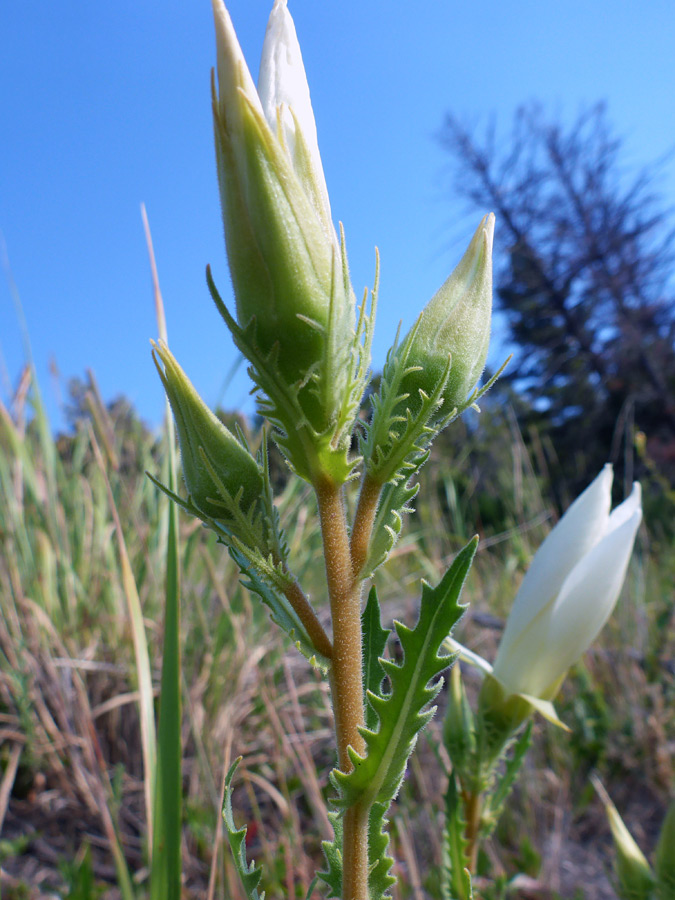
(473, 804)
(344, 592)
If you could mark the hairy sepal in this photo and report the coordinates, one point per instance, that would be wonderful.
(257, 528)
(311, 453)
(249, 873)
(405, 710)
(401, 427)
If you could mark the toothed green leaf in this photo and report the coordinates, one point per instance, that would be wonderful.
(405, 710)
(249, 873)
(332, 850)
(380, 878)
(455, 878)
(379, 862)
(281, 611)
(374, 642)
(394, 502)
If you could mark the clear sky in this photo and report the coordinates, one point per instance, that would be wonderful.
(106, 105)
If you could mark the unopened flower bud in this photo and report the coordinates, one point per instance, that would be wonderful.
(455, 323)
(569, 590)
(214, 462)
(285, 259)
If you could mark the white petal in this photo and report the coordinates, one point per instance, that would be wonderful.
(282, 87)
(585, 603)
(629, 506)
(577, 532)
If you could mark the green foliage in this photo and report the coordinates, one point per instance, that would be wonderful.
(166, 867)
(455, 877)
(380, 879)
(394, 503)
(374, 643)
(79, 877)
(404, 711)
(505, 782)
(664, 860)
(248, 872)
(281, 611)
(397, 439)
(332, 851)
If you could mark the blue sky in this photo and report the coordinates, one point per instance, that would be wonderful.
(106, 105)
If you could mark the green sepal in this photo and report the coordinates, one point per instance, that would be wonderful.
(394, 502)
(374, 642)
(664, 860)
(404, 711)
(311, 453)
(455, 877)
(401, 428)
(249, 873)
(258, 529)
(269, 588)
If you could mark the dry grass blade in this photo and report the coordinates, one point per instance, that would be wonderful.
(143, 673)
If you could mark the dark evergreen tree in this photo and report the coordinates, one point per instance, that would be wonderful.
(585, 283)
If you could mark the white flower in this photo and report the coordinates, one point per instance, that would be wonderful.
(569, 591)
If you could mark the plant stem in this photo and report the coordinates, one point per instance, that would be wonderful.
(344, 592)
(303, 608)
(363, 522)
(355, 850)
(473, 802)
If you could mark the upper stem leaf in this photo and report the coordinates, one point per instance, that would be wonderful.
(404, 711)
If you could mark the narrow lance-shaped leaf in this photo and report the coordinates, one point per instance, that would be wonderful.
(404, 711)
